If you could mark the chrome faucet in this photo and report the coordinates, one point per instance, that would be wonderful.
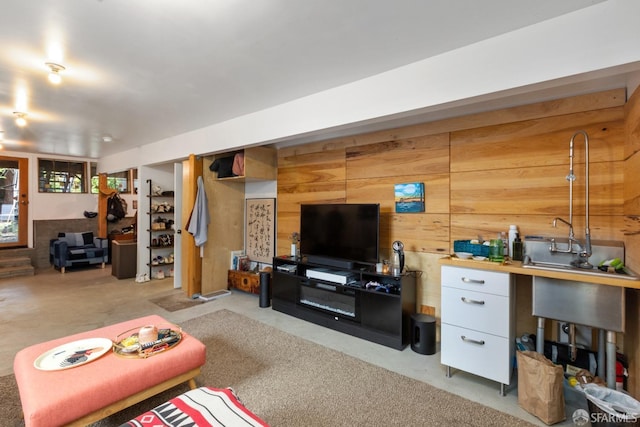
(584, 251)
(572, 239)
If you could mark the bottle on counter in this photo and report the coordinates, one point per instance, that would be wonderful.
(517, 249)
(513, 231)
(505, 243)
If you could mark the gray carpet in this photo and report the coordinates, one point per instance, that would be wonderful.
(288, 381)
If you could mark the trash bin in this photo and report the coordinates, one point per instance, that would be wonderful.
(423, 334)
(608, 407)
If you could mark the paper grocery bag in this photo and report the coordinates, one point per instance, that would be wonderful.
(540, 390)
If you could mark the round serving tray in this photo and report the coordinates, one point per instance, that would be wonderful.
(73, 354)
(126, 344)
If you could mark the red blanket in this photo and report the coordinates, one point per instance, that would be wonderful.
(202, 407)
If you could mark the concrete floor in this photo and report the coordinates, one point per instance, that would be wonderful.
(51, 305)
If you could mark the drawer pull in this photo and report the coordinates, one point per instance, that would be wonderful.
(465, 339)
(476, 281)
(471, 301)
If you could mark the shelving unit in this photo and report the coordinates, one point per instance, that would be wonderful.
(161, 234)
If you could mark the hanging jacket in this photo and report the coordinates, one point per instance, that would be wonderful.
(199, 219)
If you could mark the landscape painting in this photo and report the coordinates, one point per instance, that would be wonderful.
(409, 197)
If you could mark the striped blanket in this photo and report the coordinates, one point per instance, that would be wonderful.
(202, 407)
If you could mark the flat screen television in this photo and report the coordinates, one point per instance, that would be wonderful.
(340, 232)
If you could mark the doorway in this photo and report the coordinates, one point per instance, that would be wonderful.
(14, 202)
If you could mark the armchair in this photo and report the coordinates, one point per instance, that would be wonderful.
(75, 249)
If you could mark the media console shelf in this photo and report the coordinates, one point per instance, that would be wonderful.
(341, 300)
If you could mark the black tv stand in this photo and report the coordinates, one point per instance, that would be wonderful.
(369, 305)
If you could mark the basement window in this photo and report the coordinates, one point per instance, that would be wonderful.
(119, 181)
(59, 176)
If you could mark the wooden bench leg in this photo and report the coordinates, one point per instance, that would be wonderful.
(103, 265)
(136, 398)
(62, 270)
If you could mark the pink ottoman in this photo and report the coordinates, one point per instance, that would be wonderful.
(95, 390)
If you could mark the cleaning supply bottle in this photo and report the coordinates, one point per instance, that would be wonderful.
(505, 243)
(513, 231)
(517, 249)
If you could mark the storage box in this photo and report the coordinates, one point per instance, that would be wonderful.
(473, 248)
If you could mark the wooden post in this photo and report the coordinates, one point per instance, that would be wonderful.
(103, 195)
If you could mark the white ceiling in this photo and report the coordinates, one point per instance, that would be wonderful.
(144, 70)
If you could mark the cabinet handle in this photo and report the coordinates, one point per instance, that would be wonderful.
(467, 280)
(471, 301)
(465, 339)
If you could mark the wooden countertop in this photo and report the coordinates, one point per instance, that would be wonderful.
(516, 267)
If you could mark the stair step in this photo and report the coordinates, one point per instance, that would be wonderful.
(21, 270)
(15, 261)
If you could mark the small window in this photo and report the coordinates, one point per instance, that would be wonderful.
(59, 176)
(120, 181)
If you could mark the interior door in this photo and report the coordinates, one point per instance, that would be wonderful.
(14, 201)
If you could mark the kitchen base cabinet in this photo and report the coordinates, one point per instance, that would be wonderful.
(478, 323)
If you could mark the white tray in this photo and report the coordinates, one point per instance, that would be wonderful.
(73, 354)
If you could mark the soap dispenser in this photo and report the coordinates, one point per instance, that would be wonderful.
(517, 248)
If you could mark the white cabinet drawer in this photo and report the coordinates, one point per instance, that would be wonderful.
(492, 282)
(476, 310)
(482, 354)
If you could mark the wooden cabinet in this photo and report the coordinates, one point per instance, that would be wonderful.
(478, 323)
(226, 202)
(260, 164)
(246, 281)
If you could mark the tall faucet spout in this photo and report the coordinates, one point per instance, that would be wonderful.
(586, 250)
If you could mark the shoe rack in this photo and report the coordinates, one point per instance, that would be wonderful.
(161, 232)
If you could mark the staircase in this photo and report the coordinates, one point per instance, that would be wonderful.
(15, 265)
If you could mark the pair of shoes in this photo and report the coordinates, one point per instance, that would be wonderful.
(141, 278)
(160, 274)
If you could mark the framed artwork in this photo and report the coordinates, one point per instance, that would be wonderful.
(409, 197)
(260, 229)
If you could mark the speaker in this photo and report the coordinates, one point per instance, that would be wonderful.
(265, 289)
(423, 334)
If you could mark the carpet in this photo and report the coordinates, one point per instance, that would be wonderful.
(288, 381)
(176, 301)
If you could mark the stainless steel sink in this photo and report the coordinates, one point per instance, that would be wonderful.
(575, 301)
(626, 273)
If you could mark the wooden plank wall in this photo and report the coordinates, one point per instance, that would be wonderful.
(482, 173)
(632, 235)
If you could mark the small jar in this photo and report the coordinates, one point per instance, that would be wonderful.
(385, 266)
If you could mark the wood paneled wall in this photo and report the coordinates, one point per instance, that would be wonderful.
(482, 173)
(632, 235)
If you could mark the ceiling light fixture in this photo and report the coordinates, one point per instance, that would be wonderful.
(21, 118)
(54, 74)
(107, 138)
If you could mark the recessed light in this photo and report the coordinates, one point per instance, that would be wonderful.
(107, 138)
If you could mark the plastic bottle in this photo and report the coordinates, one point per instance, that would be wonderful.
(513, 232)
(517, 251)
(505, 243)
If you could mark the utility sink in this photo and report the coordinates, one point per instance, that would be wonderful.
(574, 301)
(539, 257)
(552, 266)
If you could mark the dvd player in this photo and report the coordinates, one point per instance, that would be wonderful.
(341, 277)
